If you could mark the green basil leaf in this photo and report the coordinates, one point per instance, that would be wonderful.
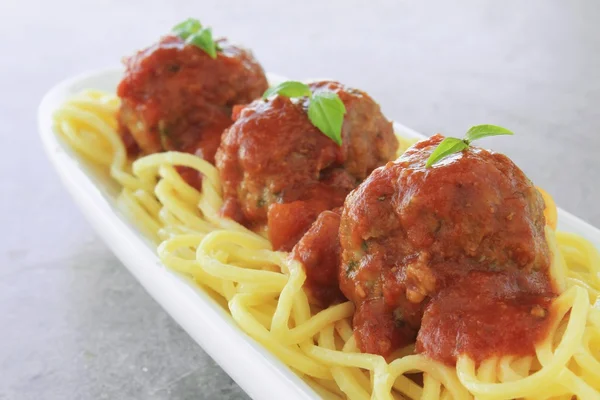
(187, 28)
(446, 147)
(203, 39)
(481, 131)
(326, 111)
(288, 89)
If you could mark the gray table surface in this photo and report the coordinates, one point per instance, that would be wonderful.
(75, 325)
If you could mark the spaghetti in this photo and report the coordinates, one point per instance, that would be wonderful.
(262, 288)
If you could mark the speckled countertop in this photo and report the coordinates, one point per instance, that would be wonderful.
(75, 325)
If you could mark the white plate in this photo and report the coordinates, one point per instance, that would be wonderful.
(256, 370)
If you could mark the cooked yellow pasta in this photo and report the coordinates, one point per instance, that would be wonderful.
(263, 288)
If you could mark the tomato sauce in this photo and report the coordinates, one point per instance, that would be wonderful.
(319, 252)
(175, 97)
(279, 170)
(455, 255)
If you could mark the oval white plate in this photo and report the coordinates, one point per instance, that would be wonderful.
(256, 370)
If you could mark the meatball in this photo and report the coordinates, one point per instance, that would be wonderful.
(278, 170)
(174, 96)
(319, 252)
(435, 253)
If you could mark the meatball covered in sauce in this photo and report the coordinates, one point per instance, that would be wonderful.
(174, 96)
(278, 169)
(454, 256)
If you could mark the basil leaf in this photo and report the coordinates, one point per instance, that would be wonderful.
(326, 111)
(187, 28)
(481, 131)
(446, 147)
(203, 39)
(288, 89)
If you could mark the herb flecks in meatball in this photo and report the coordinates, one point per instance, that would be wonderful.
(175, 96)
(279, 170)
(434, 253)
